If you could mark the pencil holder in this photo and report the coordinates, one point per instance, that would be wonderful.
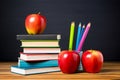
(80, 66)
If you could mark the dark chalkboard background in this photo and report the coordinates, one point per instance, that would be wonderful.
(103, 14)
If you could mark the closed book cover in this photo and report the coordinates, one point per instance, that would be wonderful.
(39, 37)
(27, 71)
(41, 50)
(37, 64)
(40, 43)
(38, 57)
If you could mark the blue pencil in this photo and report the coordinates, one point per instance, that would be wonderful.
(78, 36)
(81, 34)
(82, 31)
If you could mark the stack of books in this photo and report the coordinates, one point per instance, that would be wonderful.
(39, 55)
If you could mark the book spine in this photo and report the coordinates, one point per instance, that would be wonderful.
(38, 64)
(39, 37)
(37, 43)
(24, 71)
(41, 50)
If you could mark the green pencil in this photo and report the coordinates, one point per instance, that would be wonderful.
(71, 35)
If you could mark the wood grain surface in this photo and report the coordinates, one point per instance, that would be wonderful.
(110, 71)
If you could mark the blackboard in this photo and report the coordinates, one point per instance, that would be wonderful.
(104, 16)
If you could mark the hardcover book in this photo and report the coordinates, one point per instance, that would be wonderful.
(27, 71)
(40, 43)
(39, 37)
(37, 64)
(41, 50)
(38, 57)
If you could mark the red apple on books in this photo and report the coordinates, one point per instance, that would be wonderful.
(92, 61)
(68, 61)
(35, 23)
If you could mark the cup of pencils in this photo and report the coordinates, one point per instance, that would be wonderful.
(69, 60)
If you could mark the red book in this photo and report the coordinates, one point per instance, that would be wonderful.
(37, 57)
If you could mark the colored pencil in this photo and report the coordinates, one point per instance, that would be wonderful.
(71, 35)
(84, 37)
(78, 35)
(81, 34)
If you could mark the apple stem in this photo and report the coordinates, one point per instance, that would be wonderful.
(38, 12)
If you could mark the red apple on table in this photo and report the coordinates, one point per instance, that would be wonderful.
(92, 61)
(35, 23)
(68, 61)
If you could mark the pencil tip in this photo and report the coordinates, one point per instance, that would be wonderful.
(89, 24)
(80, 24)
(72, 23)
(83, 26)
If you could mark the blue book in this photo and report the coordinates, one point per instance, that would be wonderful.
(27, 71)
(37, 64)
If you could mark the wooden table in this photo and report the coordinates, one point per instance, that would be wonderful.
(110, 70)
